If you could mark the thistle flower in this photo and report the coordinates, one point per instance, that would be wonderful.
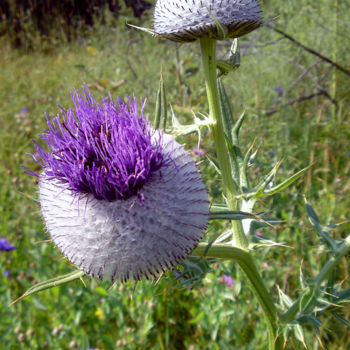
(5, 245)
(119, 199)
(188, 20)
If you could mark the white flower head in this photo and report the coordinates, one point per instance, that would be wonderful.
(188, 20)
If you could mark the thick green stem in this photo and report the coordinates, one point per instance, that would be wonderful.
(208, 49)
(245, 261)
(239, 252)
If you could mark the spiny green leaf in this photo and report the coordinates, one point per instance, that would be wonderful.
(218, 207)
(235, 215)
(299, 334)
(234, 155)
(301, 276)
(228, 124)
(259, 190)
(225, 67)
(146, 30)
(344, 295)
(100, 290)
(341, 319)
(160, 117)
(180, 129)
(285, 300)
(232, 62)
(286, 182)
(214, 164)
(227, 235)
(316, 323)
(314, 220)
(156, 120)
(236, 129)
(270, 222)
(234, 56)
(226, 110)
(54, 282)
(285, 332)
(313, 217)
(231, 215)
(244, 169)
(163, 105)
(341, 300)
(308, 300)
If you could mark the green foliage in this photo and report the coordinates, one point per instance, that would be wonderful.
(165, 316)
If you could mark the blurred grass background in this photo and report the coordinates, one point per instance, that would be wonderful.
(38, 73)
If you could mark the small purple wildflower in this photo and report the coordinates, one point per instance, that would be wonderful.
(5, 245)
(228, 280)
(105, 150)
(24, 110)
(7, 273)
(279, 91)
(198, 151)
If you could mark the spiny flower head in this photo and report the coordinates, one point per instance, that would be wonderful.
(119, 199)
(188, 20)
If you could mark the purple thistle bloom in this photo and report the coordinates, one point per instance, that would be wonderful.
(5, 245)
(119, 199)
(105, 150)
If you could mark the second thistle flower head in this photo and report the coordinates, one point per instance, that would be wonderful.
(119, 199)
(188, 20)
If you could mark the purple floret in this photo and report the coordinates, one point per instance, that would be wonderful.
(5, 245)
(279, 90)
(228, 280)
(106, 150)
